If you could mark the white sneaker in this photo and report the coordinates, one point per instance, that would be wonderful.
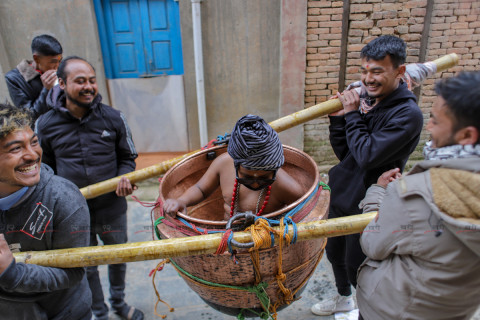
(333, 305)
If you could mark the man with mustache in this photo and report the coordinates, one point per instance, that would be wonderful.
(368, 138)
(30, 82)
(423, 259)
(38, 211)
(87, 142)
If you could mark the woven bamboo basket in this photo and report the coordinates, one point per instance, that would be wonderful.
(298, 260)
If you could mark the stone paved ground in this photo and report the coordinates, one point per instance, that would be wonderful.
(172, 288)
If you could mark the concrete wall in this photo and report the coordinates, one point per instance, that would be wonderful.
(241, 50)
(72, 22)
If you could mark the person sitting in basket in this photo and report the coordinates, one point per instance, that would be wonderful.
(250, 174)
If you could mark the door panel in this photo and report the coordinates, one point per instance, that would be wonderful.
(143, 37)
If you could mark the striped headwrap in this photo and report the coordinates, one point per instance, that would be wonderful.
(255, 145)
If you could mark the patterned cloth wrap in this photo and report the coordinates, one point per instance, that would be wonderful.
(450, 152)
(255, 145)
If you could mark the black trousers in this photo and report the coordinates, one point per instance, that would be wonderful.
(345, 254)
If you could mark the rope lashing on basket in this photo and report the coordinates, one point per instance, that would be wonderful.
(258, 289)
(293, 216)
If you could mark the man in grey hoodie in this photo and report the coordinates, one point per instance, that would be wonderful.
(38, 211)
(423, 249)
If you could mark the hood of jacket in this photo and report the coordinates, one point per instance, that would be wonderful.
(455, 188)
(57, 98)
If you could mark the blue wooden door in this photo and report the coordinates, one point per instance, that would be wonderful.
(140, 38)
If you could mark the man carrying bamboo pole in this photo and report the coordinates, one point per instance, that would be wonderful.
(38, 211)
(423, 255)
(369, 138)
(86, 141)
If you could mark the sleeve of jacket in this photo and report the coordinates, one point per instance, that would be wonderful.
(48, 156)
(22, 100)
(338, 138)
(372, 150)
(126, 152)
(30, 278)
(392, 230)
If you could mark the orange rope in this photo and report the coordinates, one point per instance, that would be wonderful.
(160, 267)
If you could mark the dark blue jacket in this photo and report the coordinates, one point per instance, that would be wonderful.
(26, 88)
(370, 144)
(89, 150)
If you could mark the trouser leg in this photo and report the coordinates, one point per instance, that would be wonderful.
(99, 308)
(354, 257)
(336, 250)
(115, 232)
(116, 276)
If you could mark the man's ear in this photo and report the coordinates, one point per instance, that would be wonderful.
(467, 135)
(36, 58)
(61, 83)
(401, 70)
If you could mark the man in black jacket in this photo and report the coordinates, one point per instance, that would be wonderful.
(369, 138)
(87, 142)
(29, 83)
(38, 211)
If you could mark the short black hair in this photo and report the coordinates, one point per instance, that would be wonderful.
(462, 96)
(61, 73)
(378, 48)
(46, 45)
(13, 118)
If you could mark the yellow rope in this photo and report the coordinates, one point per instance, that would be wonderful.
(163, 316)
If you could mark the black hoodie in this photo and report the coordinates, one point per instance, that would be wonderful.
(369, 144)
(85, 151)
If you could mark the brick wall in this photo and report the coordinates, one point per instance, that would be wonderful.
(454, 27)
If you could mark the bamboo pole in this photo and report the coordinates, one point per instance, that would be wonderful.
(180, 247)
(278, 125)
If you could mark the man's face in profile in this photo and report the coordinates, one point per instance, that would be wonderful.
(440, 126)
(20, 156)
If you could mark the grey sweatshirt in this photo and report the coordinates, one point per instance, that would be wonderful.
(51, 215)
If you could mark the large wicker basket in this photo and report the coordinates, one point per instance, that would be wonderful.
(299, 259)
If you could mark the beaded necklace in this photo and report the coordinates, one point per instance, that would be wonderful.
(234, 203)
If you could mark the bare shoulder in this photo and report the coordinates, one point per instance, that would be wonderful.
(289, 189)
(221, 161)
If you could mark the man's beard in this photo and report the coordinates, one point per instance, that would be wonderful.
(80, 104)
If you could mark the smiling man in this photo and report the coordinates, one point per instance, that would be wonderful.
(368, 138)
(30, 82)
(424, 261)
(86, 141)
(249, 175)
(38, 211)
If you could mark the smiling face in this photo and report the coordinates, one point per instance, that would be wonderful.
(380, 77)
(80, 84)
(20, 156)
